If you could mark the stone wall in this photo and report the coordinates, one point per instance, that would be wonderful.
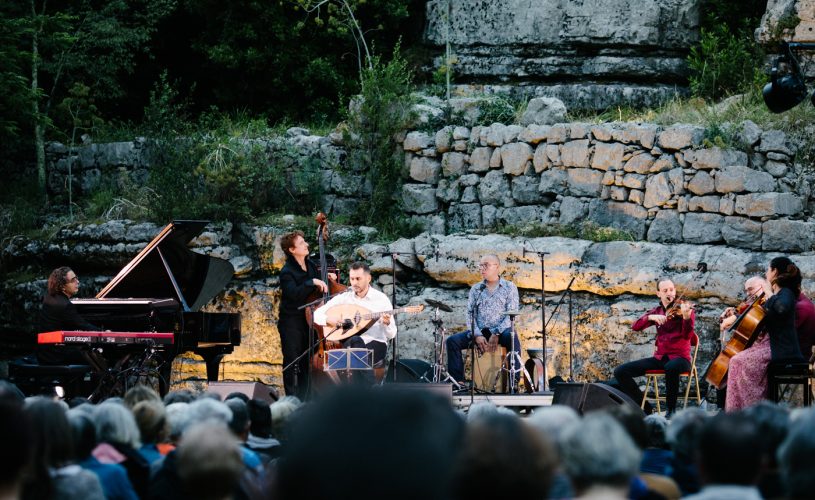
(658, 184)
(589, 54)
(614, 283)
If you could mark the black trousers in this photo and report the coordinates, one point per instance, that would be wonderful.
(294, 341)
(626, 373)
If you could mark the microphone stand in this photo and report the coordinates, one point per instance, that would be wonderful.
(541, 255)
(393, 256)
(567, 291)
(314, 346)
(473, 343)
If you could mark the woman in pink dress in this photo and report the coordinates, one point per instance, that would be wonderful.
(747, 377)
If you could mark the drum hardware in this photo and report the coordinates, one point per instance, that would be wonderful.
(512, 358)
(440, 374)
(438, 305)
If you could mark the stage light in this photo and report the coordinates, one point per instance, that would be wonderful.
(786, 88)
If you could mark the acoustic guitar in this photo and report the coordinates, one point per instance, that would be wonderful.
(353, 319)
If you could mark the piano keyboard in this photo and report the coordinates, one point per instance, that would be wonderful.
(105, 338)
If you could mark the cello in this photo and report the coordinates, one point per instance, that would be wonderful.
(319, 298)
(745, 331)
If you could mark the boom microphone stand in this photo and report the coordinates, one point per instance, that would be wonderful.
(393, 256)
(566, 292)
(541, 255)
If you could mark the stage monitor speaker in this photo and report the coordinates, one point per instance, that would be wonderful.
(254, 390)
(411, 371)
(589, 397)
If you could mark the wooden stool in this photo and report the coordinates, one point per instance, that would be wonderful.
(785, 373)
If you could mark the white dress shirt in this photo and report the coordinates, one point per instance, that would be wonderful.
(374, 301)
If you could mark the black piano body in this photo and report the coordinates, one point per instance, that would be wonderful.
(162, 290)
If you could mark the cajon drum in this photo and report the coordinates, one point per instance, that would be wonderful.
(487, 370)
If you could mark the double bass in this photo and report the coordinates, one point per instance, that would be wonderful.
(319, 298)
(744, 332)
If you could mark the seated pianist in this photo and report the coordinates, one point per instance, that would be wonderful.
(58, 313)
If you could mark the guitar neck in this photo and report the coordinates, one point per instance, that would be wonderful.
(377, 315)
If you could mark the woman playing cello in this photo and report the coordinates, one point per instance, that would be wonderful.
(747, 380)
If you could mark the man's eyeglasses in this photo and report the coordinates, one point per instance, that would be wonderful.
(486, 265)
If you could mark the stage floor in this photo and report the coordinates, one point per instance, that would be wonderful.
(463, 401)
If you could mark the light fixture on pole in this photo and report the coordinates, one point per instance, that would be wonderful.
(786, 88)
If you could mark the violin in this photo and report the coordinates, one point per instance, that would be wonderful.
(674, 309)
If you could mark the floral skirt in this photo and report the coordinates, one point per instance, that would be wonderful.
(747, 375)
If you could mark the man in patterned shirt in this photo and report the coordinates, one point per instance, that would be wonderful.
(487, 303)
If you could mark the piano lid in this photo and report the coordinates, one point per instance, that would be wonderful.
(166, 267)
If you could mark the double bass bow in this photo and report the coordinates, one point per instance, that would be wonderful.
(320, 298)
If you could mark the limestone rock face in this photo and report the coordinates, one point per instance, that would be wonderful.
(547, 40)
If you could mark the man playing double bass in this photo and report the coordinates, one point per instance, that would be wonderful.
(672, 352)
(298, 279)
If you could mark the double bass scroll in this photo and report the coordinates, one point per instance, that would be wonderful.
(319, 298)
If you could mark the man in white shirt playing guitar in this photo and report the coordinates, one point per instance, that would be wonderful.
(360, 294)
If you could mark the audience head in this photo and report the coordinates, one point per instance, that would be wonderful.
(115, 425)
(239, 424)
(179, 396)
(206, 409)
(773, 423)
(11, 392)
(178, 417)
(481, 409)
(260, 418)
(550, 421)
(514, 458)
(232, 395)
(683, 433)
(656, 429)
(209, 461)
(17, 436)
(139, 393)
(83, 431)
(151, 418)
(51, 445)
(598, 452)
(795, 457)
(633, 421)
(406, 439)
(281, 411)
(784, 273)
(727, 450)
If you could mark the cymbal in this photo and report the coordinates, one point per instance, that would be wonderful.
(440, 305)
(513, 312)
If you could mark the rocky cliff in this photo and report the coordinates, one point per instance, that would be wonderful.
(614, 283)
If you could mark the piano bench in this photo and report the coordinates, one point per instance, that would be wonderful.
(38, 379)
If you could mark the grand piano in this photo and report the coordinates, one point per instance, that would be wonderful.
(162, 290)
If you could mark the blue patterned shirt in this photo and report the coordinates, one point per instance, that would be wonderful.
(491, 305)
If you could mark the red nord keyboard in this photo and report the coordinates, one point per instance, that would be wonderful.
(105, 338)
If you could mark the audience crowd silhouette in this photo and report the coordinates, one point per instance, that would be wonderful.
(394, 443)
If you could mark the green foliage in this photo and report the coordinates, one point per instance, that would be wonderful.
(727, 60)
(384, 111)
(221, 167)
(723, 63)
(498, 109)
(585, 231)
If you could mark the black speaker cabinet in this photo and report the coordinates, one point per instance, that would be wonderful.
(589, 397)
(254, 390)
